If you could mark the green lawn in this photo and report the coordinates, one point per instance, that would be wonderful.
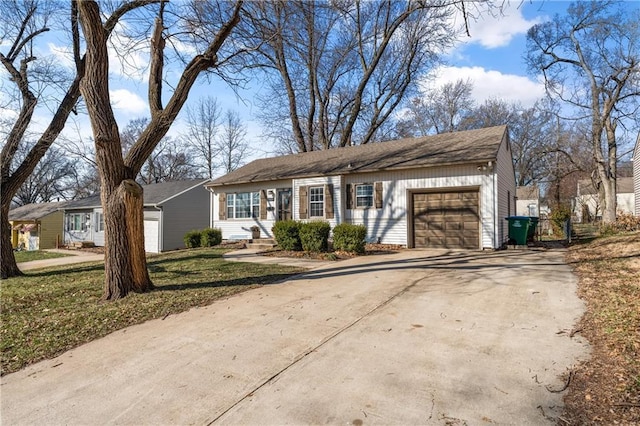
(52, 310)
(28, 256)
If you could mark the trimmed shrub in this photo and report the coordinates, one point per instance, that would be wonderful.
(559, 215)
(314, 236)
(210, 237)
(287, 234)
(350, 238)
(192, 239)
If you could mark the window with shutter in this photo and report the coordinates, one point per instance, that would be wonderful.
(303, 201)
(378, 195)
(263, 205)
(350, 196)
(328, 201)
(222, 206)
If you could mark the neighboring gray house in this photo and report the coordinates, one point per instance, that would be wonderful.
(451, 190)
(528, 201)
(171, 209)
(587, 203)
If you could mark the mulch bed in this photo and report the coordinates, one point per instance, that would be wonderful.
(370, 249)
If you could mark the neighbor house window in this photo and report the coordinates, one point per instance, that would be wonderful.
(243, 205)
(99, 222)
(364, 195)
(77, 222)
(316, 201)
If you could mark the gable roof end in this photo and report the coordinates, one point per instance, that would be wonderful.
(34, 211)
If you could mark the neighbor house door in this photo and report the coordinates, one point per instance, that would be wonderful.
(284, 204)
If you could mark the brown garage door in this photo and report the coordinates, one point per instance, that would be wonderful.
(446, 220)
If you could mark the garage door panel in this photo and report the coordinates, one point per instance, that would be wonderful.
(446, 220)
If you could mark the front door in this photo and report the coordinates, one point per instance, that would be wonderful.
(284, 204)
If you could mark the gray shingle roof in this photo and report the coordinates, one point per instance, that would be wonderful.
(154, 194)
(444, 149)
(34, 211)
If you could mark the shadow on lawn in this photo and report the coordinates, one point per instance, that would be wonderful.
(255, 280)
(77, 268)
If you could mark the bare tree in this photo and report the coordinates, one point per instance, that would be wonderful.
(440, 110)
(590, 60)
(203, 122)
(51, 180)
(122, 198)
(35, 81)
(171, 160)
(232, 147)
(337, 70)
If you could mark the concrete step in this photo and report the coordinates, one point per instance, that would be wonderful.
(255, 246)
(262, 244)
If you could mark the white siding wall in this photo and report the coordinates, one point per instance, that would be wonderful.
(506, 191)
(241, 228)
(389, 224)
(336, 181)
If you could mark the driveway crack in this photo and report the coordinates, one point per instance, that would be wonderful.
(326, 340)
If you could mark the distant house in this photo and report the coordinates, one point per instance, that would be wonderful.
(37, 226)
(587, 202)
(636, 175)
(528, 201)
(171, 209)
(451, 190)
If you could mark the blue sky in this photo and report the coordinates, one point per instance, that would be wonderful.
(492, 58)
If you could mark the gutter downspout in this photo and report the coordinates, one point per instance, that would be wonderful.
(496, 206)
(160, 229)
(211, 205)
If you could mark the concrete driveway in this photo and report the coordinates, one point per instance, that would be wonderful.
(418, 337)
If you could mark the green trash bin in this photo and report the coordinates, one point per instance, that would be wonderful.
(518, 229)
(533, 224)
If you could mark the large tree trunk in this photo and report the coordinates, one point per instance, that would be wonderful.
(8, 268)
(125, 261)
(122, 197)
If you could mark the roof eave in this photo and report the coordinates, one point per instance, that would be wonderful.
(351, 172)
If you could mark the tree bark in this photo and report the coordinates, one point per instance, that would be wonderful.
(122, 197)
(8, 266)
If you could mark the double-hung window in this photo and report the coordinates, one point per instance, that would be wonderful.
(316, 201)
(364, 195)
(99, 222)
(243, 205)
(77, 222)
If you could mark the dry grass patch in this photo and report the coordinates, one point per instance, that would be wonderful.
(28, 256)
(52, 310)
(606, 388)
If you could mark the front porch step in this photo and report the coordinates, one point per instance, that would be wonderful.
(262, 244)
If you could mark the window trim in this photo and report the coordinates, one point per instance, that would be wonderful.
(99, 222)
(71, 222)
(371, 196)
(316, 203)
(254, 205)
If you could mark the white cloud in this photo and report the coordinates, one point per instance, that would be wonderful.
(128, 102)
(492, 30)
(489, 84)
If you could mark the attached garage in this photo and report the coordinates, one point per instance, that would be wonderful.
(448, 191)
(446, 219)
